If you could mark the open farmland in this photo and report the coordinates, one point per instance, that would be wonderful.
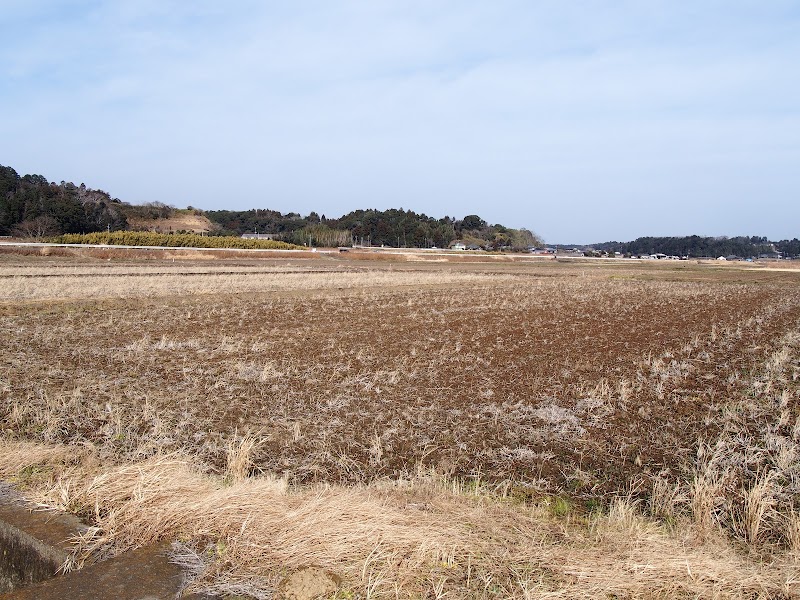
(548, 390)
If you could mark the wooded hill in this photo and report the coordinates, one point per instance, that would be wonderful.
(393, 228)
(32, 207)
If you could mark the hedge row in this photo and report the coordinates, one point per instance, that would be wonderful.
(172, 240)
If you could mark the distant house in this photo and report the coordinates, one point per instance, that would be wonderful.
(458, 246)
(259, 236)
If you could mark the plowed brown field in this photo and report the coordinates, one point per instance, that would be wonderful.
(537, 377)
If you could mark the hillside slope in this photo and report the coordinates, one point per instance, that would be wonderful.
(176, 221)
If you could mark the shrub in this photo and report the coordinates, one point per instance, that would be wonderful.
(180, 240)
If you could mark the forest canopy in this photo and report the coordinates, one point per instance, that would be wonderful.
(393, 228)
(696, 246)
(32, 207)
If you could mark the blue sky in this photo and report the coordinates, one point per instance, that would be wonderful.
(583, 121)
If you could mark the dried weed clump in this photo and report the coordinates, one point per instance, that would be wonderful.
(407, 539)
(748, 481)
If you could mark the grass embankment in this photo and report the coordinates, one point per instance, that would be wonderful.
(172, 240)
(428, 537)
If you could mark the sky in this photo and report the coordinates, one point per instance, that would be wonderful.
(584, 121)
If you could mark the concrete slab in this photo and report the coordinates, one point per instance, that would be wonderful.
(34, 544)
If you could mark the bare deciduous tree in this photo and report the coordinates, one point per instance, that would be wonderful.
(38, 228)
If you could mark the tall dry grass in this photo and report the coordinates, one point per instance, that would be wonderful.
(745, 481)
(408, 539)
(98, 284)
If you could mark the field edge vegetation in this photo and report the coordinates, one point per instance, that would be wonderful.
(581, 434)
(428, 536)
(171, 240)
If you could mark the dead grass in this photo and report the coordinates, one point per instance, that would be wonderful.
(593, 433)
(110, 253)
(389, 539)
(173, 282)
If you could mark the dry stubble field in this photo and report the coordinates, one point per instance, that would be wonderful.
(415, 429)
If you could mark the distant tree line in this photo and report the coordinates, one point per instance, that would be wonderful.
(30, 206)
(696, 246)
(788, 247)
(393, 228)
(257, 220)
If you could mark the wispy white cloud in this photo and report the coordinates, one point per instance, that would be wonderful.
(570, 118)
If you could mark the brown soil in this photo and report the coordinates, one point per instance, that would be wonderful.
(308, 584)
(512, 379)
(177, 222)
